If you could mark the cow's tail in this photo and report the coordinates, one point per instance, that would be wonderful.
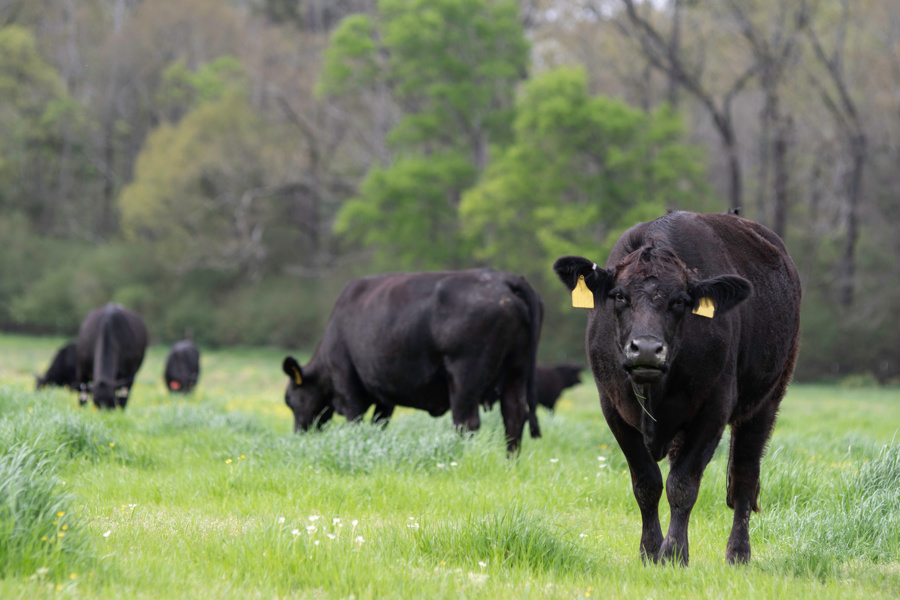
(532, 300)
(106, 355)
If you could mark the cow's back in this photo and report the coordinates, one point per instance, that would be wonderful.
(111, 344)
(396, 332)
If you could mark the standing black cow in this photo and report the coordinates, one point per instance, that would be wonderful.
(552, 380)
(434, 341)
(110, 350)
(696, 326)
(182, 366)
(62, 370)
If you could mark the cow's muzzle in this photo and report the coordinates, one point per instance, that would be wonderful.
(645, 359)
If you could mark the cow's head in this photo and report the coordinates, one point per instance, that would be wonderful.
(653, 294)
(307, 396)
(104, 394)
(570, 374)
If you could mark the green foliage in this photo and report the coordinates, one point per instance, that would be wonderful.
(452, 65)
(407, 212)
(279, 311)
(458, 61)
(79, 278)
(189, 199)
(581, 170)
(351, 58)
(36, 113)
(182, 89)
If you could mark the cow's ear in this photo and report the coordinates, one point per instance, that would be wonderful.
(570, 268)
(292, 369)
(725, 291)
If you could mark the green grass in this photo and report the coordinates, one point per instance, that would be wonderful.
(212, 496)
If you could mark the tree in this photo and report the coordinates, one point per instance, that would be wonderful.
(666, 56)
(774, 38)
(579, 172)
(451, 67)
(834, 90)
(35, 115)
(199, 193)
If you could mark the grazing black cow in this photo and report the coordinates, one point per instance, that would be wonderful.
(552, 380)
(62, 370)
(695, 327)
(109, 351)
(434, 341)
(182, 366)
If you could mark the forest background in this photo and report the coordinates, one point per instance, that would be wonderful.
(225, 167)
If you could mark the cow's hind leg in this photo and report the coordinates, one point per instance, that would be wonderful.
(466, 389)
(515, 411)
(646, 481)
(748, 443)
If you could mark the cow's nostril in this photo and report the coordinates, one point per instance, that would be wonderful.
(647, 349)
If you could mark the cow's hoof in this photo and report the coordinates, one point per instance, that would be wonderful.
(737, 553)
(671, 554)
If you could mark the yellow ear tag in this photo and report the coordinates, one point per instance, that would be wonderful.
(297, 379)
(582, 297)
(706, 308)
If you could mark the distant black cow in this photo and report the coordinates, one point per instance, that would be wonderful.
(552, 380)
(110, 349)
(549, 382)
(436, 341)
(182, 366)
(695, 327)
(62, 371)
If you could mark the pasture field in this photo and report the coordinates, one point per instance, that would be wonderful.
(213, 496)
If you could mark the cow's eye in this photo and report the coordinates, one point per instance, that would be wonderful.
(678, 304)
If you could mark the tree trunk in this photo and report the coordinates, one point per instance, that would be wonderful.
(782, 177)
(675, 49)
(854, 195)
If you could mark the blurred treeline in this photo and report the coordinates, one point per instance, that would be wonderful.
(225, 166)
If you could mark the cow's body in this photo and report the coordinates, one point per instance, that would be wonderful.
(182, 366)
(62, 371)
(436, 341)
(671, 380)
(109, 351)
(553, 379)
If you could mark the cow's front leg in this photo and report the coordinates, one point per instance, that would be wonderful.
(646, 480)
(683, 486)
(382, 414)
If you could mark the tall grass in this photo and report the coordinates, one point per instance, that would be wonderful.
(38, 534)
